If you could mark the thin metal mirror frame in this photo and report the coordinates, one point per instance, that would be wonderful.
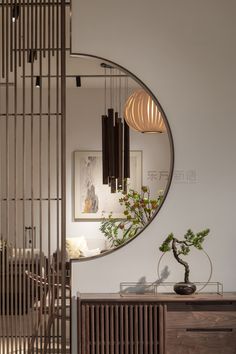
(171, 141)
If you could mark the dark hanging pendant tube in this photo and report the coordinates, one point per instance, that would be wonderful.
(113, 185)
(116, 145)
(125, 189)
(126, 151)
(111, 142)
(115, 152)
(105, 150)
(120, 154)
(32, 55)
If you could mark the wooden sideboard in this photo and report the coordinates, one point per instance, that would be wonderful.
(161, 324)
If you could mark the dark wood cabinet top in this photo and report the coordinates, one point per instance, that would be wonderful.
(160, 298)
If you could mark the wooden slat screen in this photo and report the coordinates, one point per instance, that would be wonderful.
(119, 328)
(32, 177)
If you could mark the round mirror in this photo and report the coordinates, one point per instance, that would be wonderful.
(119, 157)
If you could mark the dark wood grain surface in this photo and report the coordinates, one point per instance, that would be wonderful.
(161, 324)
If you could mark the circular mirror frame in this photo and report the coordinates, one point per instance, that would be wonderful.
(171, 142)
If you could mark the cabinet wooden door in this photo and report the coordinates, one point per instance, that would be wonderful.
(180, 341)
(206, 328)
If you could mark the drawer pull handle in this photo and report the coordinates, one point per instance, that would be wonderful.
(209, 330)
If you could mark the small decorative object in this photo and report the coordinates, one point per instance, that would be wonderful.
(139, 209)
(182, 247)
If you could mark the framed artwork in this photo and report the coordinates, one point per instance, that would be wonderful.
(92, 199)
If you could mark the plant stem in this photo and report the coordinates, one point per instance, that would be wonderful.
(185, 264)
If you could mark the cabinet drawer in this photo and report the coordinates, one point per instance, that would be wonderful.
(180, 341)
(201, 319)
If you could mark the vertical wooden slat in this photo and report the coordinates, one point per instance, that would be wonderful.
(28, 298)
(53, 28)
(42, 314)
(79, 325)
(49, 153)
(97, 331)
(155, 329)
(20, 308)
(121, 329)
(161, 330)
(136, 334)
(7, 172)
(83, 329)
(126, 322)
(1, 204)
(21, 9)
(28, 24)
(63, 169)
(57, 154)
(35, 303)
(150, 329)
(107, 329)
(32, 148)
(111, 329)
(3, 39)
(36, 28)
(102, 330)
(44, 30)
(145, 323)
(92, 329)
(87, 326)
(22, 338)
(141, 329)
(131, 330)
(15, 177)
(11, 35)
(117, 339)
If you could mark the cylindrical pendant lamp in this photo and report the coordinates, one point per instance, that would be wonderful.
(142, 114)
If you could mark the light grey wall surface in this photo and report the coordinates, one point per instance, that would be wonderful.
(185, 52)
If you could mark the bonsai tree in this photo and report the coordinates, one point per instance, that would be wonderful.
(139, 208)
(183, 247)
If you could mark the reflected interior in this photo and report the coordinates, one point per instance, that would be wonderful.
(99, 221)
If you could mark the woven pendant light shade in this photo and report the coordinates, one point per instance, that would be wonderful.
(142, 114)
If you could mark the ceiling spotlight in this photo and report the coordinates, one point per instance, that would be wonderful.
(106, 66)
(15, 12)
(38, 82)
(78, 81)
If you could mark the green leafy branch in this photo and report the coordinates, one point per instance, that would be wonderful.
(139, 208)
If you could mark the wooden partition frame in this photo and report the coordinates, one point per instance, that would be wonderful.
(32, 176)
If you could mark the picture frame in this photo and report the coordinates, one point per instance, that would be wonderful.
(92, 199)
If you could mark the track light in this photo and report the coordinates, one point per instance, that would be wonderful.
(38, 82)
(78, 81)
(15, 12)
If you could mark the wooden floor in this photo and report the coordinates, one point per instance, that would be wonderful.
(16, 334)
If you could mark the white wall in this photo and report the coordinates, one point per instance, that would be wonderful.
(185, 52)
